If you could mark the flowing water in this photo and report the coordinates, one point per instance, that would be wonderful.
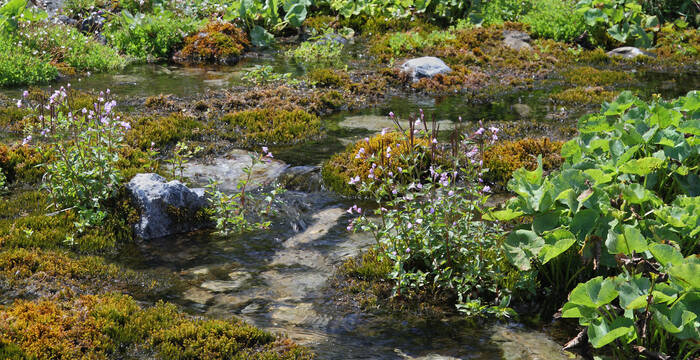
(278, 279)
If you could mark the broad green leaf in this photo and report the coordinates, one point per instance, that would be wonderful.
(260, 37)
(687, 273)
(583, 223)
(583, 313)
(503, 215)
(636, 194)
(600, 333)
(690, 127)
(632, 290)
(641, 167)
(598, 176)
(568, 198)
(556, 242)
(545, 222)
(296, 15)
(631, 240)
(665, 254)
(571, 150)
(673, 319)
(594, 293)
(521, 246)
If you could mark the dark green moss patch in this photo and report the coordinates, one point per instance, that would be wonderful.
(270, 127)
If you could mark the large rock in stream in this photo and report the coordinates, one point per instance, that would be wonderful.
(516, 40)
(629, 52)
(425, 67)
(166, 208)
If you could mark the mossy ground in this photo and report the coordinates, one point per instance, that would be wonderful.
(217, 42)
(505, 157)
(262, 127)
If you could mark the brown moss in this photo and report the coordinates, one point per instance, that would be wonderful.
(290, 99)
(270, 127)
(584, 95)
(503, 159)
(217, 42)
(20, 163)
(460, 78)
(319, 23)
(160, 102)
(682, 45)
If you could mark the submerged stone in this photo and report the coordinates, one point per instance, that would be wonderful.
(166, 208)
(425, 67)
(523, 110)
(302, 178)
(516, 40)
(629, 52)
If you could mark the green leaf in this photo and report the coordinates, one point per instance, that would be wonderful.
(634, 292)
(506, 214)
(545, 222)
(583, 223)
(594, 293)
(521, 246)
(641, 167)
(556, 242)
(673, 319)
(631, 240)
(571, 150)
(636, 194)
(665, 254)
(296, 15)
(260, 37)
(593, 16)
(598, 176)
(688, 273)
(600, 333)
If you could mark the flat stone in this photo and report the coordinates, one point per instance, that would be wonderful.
(425, 67)
(516, 40)
(302, 178)
(629, 52)
(197, 295)
(518, 344)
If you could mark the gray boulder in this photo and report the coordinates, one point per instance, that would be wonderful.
(516, 40)
(629, 52)
(166, 208)
(425, 67)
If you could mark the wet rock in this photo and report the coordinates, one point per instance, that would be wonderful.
(516, 40)
(377, 123)
(629, 52)
(239, 278)
(425, 67)
(228, 171)
(197, 295)
(66, 20)
(333, 38)
(302, 178)
(520, 344)
(162, 205)
(93, 23)
(523, 110)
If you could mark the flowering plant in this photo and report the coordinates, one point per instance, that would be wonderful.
(80, 152)
(232, 213)
(431, 229)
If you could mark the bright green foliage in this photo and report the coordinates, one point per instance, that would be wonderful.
(18, 66)
(319, 50)
(623, 20)
(69, 46)
(555, 19)
(402, 44)
(3, 182)
(149, 36)
(262, 74)
(630, 182)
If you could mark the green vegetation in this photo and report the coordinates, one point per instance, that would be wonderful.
(626, 196)
(323, 50)
(261, 127)
(555, 19)
(18, 66)
(504, 158)
(160, 131)
(149, 37)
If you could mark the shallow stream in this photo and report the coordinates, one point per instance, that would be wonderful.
(278, 279)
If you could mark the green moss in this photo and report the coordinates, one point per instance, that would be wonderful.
(270, 127)
(327, 77)
(588, 76)
(678, 44)
(161, 130)
(585, 95)
(503, 159)
(11, 118)
(342, 167)
(332, 99)
(319, 23)
(20, 163)
(217, 42)
(101, 326)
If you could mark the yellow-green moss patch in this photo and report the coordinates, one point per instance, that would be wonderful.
(585, 95)
(270, 127)
(507, 156)
(589, 76)
(159, 131)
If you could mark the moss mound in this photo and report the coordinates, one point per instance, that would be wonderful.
(19, 163)
(329, 77)
(589, 76)
(218, 42)
(259, 127)
(108, 326)
(161, 130)
(584, 95)
(506, 157)
(358, 159)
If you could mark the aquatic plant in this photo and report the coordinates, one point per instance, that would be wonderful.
(624, 202)
(259, 127)
(217, 42)
(232, 213)
(503, 158)
(324, 49)
(181, 155)
(263, 74)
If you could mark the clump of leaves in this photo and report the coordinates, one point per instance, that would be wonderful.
(324, 49)
(627, 191)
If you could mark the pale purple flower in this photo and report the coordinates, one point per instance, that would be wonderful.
(125, 125)
(27, 140)
(25, 93)
(487, 189)
(384, 131)
(494, 129)
(480, 131)
(264, 149)
(408, 250)
(450, 193)
(409, 226)
(84, 111)
(354, 180)
(434, 141)
(19, 103)
(391, 114)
